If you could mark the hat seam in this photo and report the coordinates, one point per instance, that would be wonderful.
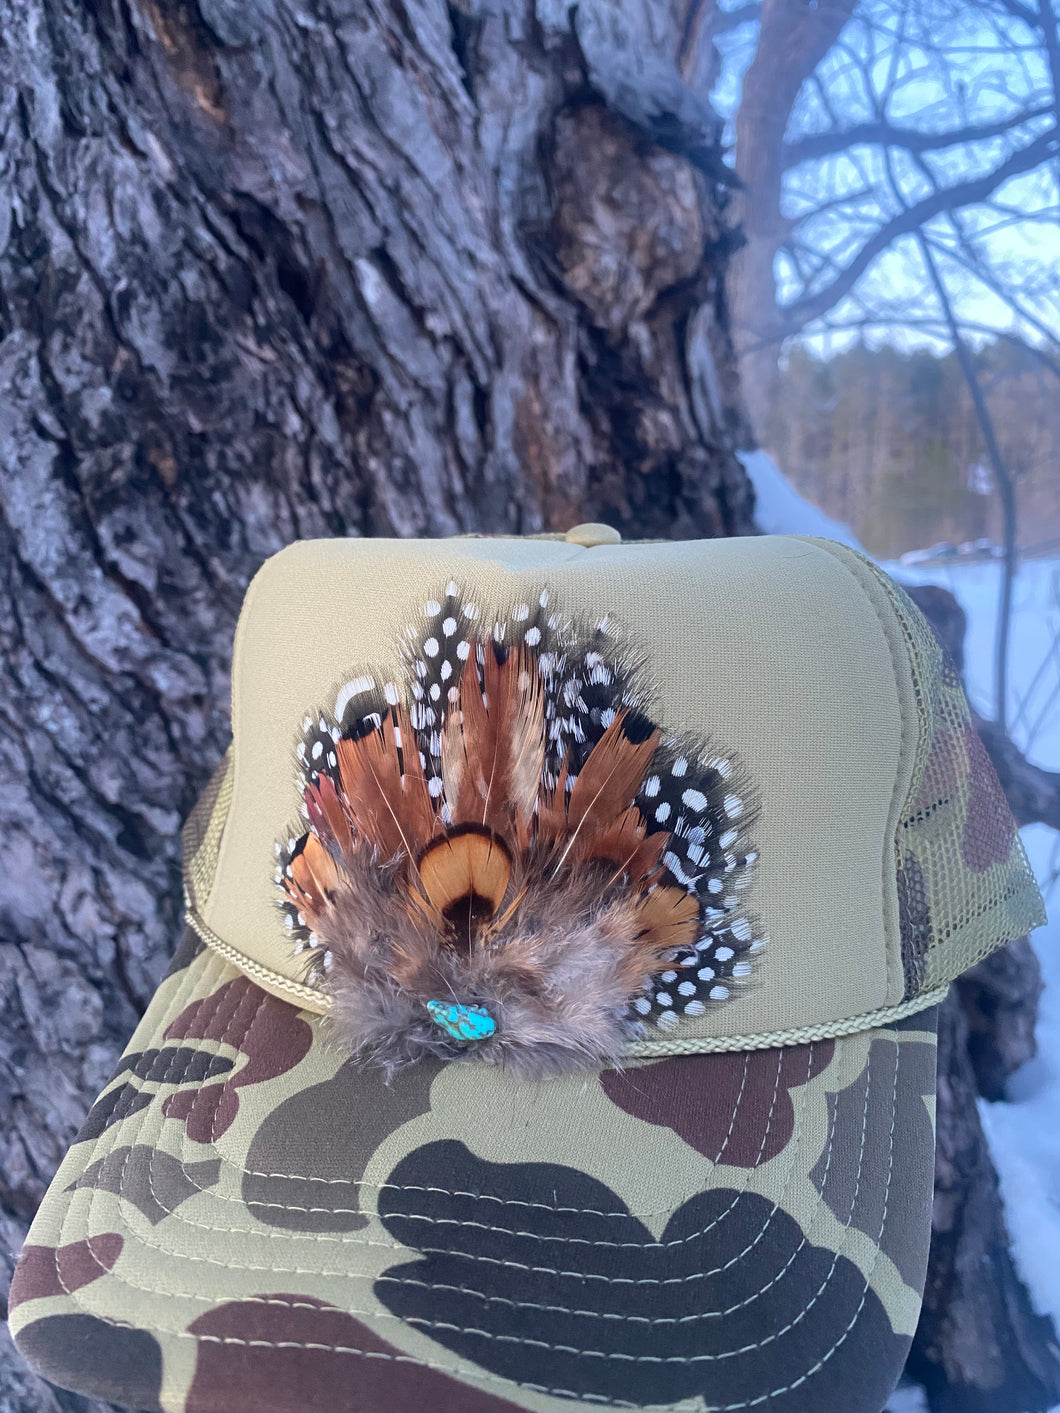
(824, 1030)
(899, 651)
(213, 1145)
(353, 1241)
(175, 1080)
(274, 983)
(458, 1192)
(731, 1407)
(309, 997)
(717, 1161)
(423, 1250)
(792, 1143)
(225, 1039)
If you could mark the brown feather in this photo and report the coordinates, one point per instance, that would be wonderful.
(669, 920)
(315, 876)
(557, 990)
(597, 820)
(470, 864)
(627, 845)
(610, 778)
(546, 906)
(327, 815)
(493, 744)
(390, 806)
(302, 901)
(552, 808)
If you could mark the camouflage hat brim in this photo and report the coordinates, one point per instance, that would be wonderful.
(247, 1223)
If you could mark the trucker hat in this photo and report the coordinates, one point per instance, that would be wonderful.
(554, 1025)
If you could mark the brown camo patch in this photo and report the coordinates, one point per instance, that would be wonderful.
(268, 1031)
(58, 1270)
(741, 1114)
(274, 1353)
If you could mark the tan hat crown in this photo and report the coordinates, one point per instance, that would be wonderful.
(886, 860)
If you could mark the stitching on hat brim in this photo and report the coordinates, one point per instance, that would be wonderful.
(230, 1039)
(477, 1373)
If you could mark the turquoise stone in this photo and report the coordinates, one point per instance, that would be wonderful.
(462, 1022)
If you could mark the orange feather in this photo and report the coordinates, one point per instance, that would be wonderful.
(325, 809)
(493, 745)
(669, 919)
(628, 845)
(472, 864)
(384, 792)
(610, 777)
(315, 874)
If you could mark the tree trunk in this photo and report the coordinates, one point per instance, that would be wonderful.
(793, 38)
(272, 270)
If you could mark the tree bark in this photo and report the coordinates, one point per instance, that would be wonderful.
(273, 270)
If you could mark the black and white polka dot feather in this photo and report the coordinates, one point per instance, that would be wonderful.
(702, 797)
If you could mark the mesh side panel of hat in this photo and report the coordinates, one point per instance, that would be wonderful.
(201, 835)
(965, 886)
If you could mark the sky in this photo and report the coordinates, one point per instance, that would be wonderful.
(933, 65)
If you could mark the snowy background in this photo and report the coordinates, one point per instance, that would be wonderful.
(1024, 1133)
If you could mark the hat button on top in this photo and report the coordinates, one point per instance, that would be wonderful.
(592, 534)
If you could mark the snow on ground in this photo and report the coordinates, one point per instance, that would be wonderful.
(1024, 1134)
(780, 510)
(907, 1398)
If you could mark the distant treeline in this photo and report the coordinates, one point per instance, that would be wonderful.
(888, 442)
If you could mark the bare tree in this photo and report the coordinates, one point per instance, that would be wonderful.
(893, 155)
(865, 127)
(273, 270)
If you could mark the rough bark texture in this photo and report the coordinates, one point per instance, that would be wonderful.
(271, 270)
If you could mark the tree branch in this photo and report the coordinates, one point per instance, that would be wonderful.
(1051, 40)
(796, 315)
(1002, 477)
(1021, 12)
(703, 22)
(826, 144)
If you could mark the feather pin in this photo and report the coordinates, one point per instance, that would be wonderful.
(512, 863)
